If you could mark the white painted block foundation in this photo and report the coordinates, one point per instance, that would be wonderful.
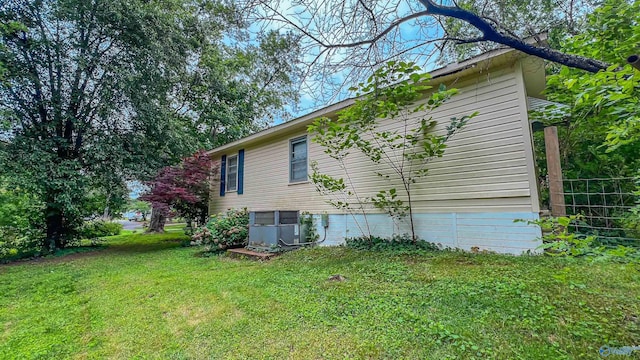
(487, 231)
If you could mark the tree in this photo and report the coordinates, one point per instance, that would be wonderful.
(346, 40)
(599, 122)
(400, 155)
(237, 91)
(183, 188)
(98, 92)
(103, 202)
(76, 89)
(143, 207)
(20, 227)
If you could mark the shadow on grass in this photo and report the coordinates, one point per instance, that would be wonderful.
(143, 247)
(142, 243)
(121, 245)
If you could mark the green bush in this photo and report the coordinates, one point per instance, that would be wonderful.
(18, 243)
(558, 239)
(21, 224)
(397, 243)
(223, 231)
(631, 222)
(99, 228)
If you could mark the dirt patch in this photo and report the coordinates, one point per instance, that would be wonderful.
(336, 277)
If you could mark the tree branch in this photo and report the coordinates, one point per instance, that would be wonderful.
(489, 27)
(380, 35)
(491, 34)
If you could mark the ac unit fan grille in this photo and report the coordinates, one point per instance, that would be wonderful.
(288, 217)
(265, 218)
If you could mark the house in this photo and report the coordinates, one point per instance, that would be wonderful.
(469, 200)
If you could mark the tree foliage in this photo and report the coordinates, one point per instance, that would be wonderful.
(597, 119)
(183, 188)
(83, 78)
(236, 91)
(94, 93)
(599, 122)
(141, 206)
(400, 155)
(20, 227)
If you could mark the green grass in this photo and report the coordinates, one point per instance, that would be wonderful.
(147, 297)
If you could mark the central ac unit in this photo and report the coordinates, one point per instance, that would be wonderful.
(274, 230)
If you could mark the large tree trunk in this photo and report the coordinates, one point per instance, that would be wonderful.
(158, 218)
(55, 230)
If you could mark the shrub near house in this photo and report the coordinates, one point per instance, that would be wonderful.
(223, 231)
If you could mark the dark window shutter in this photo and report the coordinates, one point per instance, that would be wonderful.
(223, 174)
(240, 171)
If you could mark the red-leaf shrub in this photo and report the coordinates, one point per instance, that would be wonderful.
(183, 188)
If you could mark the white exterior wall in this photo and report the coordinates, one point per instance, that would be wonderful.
(470, 197)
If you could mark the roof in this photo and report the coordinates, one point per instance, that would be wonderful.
(536, 104)
(491, 58)
(546, 113)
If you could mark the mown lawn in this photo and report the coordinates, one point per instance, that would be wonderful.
(147, 297)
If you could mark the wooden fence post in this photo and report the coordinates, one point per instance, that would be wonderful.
(556, 187)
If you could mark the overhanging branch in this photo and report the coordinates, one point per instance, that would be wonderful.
(491, 34)
(491, 30)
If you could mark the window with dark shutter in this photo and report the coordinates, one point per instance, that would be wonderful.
(298, 159)
(223, 174)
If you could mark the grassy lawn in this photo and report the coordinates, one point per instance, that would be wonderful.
(144, 296)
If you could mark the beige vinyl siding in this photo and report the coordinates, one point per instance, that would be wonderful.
(485, 167)
(266, 181)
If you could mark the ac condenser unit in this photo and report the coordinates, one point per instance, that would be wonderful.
(274, 230)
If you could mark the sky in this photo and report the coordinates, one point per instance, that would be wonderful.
(408, 34)
(136, 188)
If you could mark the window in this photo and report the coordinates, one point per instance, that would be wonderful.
(232, 173)
(298, 160)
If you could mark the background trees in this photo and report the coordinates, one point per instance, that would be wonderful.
(236, 91)
(601, 120)
(140, 206)
(94, 93)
